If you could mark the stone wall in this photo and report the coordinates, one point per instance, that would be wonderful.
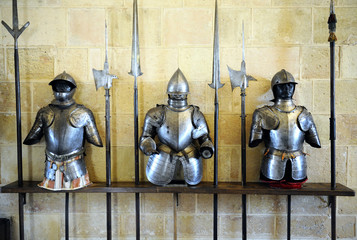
(69, 35)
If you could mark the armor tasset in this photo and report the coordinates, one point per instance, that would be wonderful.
(65, 125)
(183, 137)
(283, 127)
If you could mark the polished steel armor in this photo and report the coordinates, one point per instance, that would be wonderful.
(65, 125)
(283, 127)
(183, 137)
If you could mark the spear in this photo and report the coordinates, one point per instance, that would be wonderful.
(136, 72)
(241, 79)
(15, 33)
(216, 84)
(332, 39)
(102, 78)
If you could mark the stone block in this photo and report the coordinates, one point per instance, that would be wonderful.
(322, 123)
(87, 95)
(346, 129)
(34, 227)
(40, 32)
(260, 226)
(31, 3)
(86, 27)
(152, 225)
(315, 62)
(254, 157)
(346, 3)
(8, 204)
(156, 4)
(157, 203)
(86, 225)
(231, 226)
(93, 4)
(320, 159)
(187, 203)
(229, 204)
(304, 93)
(8, 97)
(317, 227)
(189, 26)
(122, 203)
(36, 63)
(204, 203)
(346, 227)
(120, 64)
(8, 128)
(122, 97)
(231, 134)
(150, 94)
(305, 205)
(344, 97)
(75, 62)
(283, 27)
(352, 167)
(158, 64)
(271, 60)
(95, 162)
(348, 62)
(2, 63)
(230, 26)
(196, 64)
(225, 98)
(262, 204)
(346, 17)
(245, 3)
(193, 226)
(124, 156)
(42, 95)
(120, 21)
(300, 3)
(347, 205)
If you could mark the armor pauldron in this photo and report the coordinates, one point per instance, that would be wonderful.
(199, 123)
(80, 116)
(305, 120)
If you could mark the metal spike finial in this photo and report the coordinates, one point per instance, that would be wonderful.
(135, 51)
(15, 31)
(102, 78)
(332, 20)
(216, 77)
(240, 78)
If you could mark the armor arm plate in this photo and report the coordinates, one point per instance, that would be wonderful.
(201, 132)
(44, 118)
(83, 117)
(153, 119)
(307, 125)
(263, 119)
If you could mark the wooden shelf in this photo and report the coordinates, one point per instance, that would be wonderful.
(320, 189)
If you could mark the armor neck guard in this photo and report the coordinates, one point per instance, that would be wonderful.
(284, 105)
(64, 104)
(178, 104)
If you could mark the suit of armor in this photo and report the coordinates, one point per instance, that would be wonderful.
(65, 125)
(283, 127)
(182, 137)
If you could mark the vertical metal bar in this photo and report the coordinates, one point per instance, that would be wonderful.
(332, 20)
(137, 213)
(244, 216)
(108, 164)
(109, 216)
(21, 215)
(215, 216)
(288, 223)
(175, 198)
(67, 217)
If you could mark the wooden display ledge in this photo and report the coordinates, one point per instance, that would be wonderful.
(321, 189)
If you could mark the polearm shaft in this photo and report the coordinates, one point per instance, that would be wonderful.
(216, 84)
(102, 78)
(332, 39)
(15, 33)
(136, 71)
(241, 79)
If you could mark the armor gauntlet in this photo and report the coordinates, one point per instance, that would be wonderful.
(153, 120)
(201, 132)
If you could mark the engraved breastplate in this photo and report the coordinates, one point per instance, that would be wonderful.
(288, 136)
(176, 130)
(61, 137)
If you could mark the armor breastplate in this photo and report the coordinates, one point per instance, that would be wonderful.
(288, 136)
(176, 130)
(61, 137)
